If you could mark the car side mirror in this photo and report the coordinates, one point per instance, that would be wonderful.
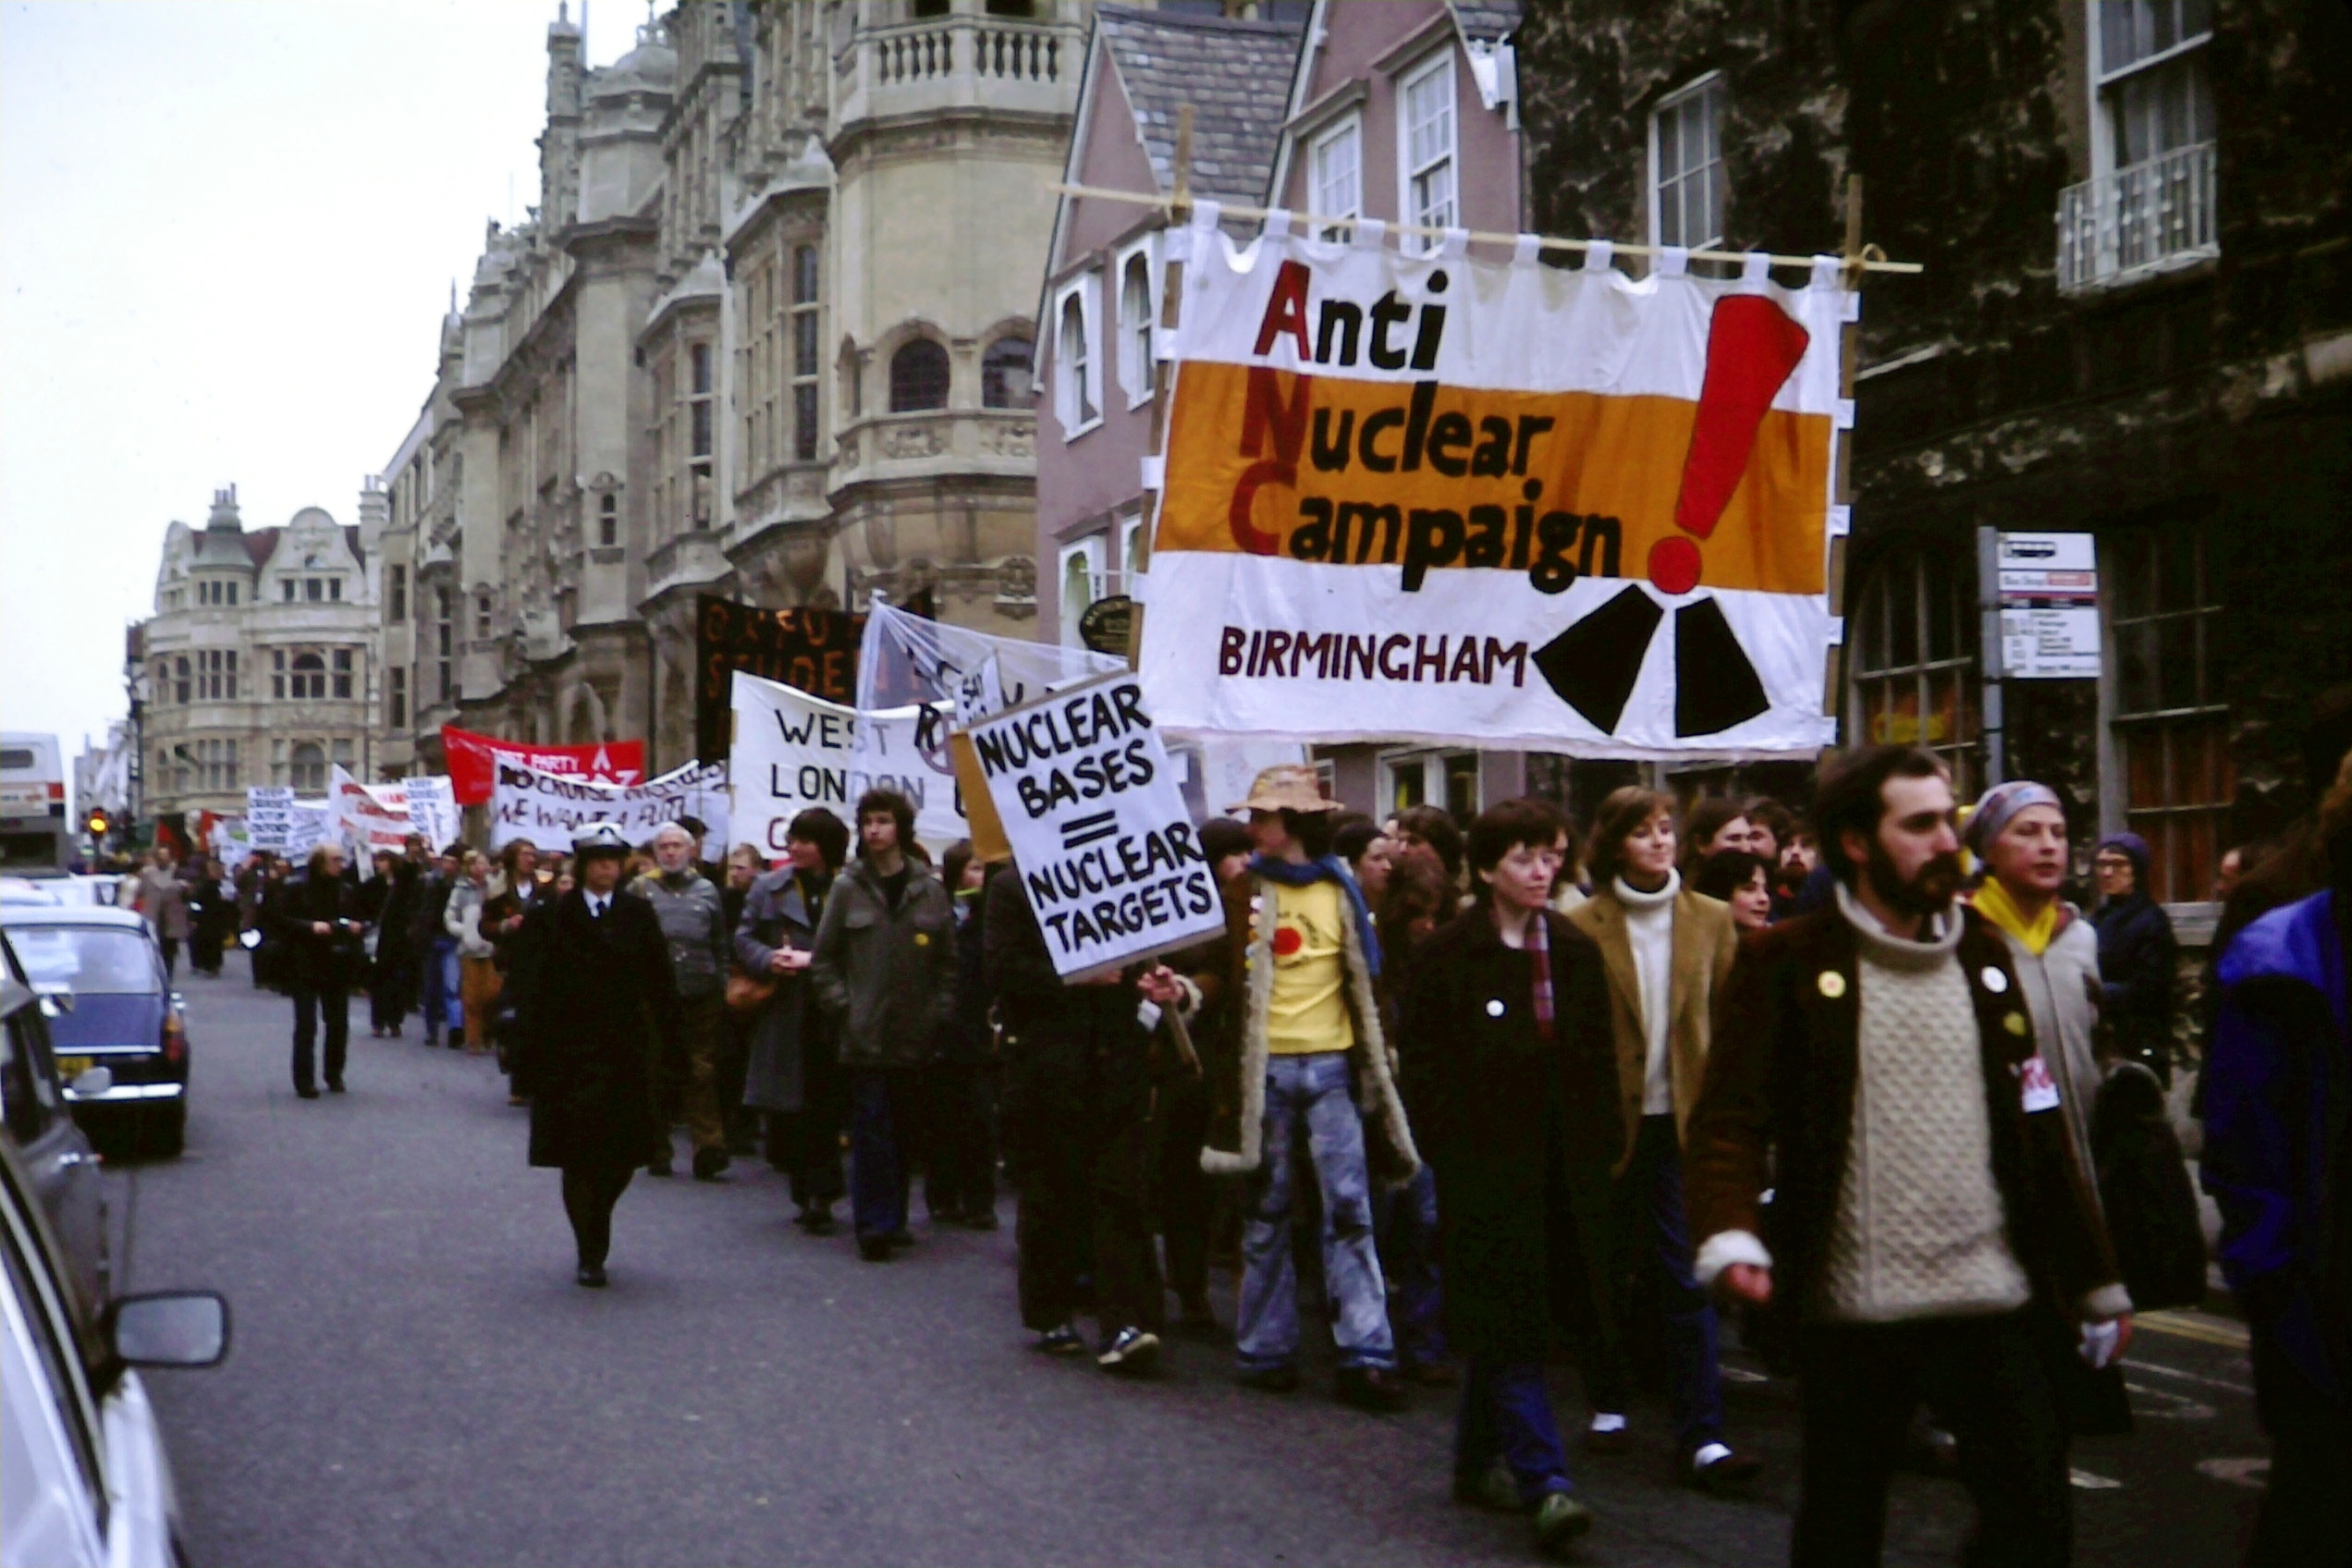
(168, 1328)
(91, 1082)
(56, 1001)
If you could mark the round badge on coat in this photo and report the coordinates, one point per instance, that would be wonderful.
(1994, 981)
(1832, 984)
(1494, 1007)
(2014, 1024)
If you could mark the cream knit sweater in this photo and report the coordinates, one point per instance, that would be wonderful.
(1920, 1230)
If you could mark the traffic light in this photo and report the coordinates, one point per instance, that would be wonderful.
(97, 824)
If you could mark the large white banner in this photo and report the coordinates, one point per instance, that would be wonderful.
(1432, 499)
(792, 751)
(550, 808)
(1101, 838)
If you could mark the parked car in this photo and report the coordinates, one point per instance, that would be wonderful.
(111, 1007)
(86, 1480)
(59, 1161)
(36, 890)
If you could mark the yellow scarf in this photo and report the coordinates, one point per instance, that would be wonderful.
(1992, 901)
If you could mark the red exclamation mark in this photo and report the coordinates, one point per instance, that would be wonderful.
(1752, 347)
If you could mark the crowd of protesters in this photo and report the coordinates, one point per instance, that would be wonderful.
(1867, 1084)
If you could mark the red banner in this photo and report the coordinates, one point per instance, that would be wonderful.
(473, 759)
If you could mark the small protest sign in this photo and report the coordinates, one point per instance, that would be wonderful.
(269, 817)
(1101, 841)
(548, 808)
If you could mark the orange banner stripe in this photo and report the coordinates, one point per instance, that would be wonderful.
(1437, 478)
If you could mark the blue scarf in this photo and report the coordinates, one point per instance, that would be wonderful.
(1331, 868)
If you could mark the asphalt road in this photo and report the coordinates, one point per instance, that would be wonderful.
(416, 1381)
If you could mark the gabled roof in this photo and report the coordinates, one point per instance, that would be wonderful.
(1236, 75)
(260, 543)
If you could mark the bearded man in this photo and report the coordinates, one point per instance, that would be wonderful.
(1874, 1063)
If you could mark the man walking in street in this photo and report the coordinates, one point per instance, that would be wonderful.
(437, 950)
(884, 970)
(1875, 1066)
(161, 897)
(594, 999)
(694, 923)
(314, 919)
(793, 1073)
(1301, 959)
(2137, 954)
(1080, 1060)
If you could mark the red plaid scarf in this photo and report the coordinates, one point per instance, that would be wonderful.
(1540, 959)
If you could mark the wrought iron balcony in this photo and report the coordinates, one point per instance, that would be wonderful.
(2146, 218)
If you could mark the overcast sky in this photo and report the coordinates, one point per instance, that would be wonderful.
(226, 237)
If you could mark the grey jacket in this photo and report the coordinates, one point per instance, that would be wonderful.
(2057, 983)
(887, 978)
(775, 917)
(693, 922)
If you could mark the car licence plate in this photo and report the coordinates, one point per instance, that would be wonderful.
(72, 1067)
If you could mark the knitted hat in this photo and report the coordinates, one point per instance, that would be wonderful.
(2000, 805)
(2133, 848)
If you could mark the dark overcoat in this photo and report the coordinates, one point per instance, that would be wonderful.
(596, 1003)
(1521, 1131)
(304, 958)
(1777, 1111)
(1077, 1058)
(786, 1030)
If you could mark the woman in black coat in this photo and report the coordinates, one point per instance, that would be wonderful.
(596, 1003)
(1518, 1116)
(313, 921)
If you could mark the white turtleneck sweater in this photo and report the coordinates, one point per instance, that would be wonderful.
(1649, 928)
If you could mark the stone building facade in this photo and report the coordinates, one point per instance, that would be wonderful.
(767, 333)
(261, 664)
(2134, 322)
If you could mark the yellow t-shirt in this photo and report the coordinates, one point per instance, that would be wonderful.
(1309, 1011)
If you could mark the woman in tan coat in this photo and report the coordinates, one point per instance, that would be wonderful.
(1666, 951)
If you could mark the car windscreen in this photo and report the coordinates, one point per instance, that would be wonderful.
(86, 959)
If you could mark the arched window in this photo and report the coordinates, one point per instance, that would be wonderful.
(306, 769)
(1074, 366)
(308, 679)
(918, 377)
(1004, 372)
(1135, 327)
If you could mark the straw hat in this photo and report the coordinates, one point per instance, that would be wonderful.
(1291, 787)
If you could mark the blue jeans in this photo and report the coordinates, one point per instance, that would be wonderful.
(882, 1120)
(1650, 1230)
(1311, 1093)
(1407, 1235)
(1506, 1414)
(442, 1007)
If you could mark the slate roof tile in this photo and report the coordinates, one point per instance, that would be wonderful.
(1236, 75)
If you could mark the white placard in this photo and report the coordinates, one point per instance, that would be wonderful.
(550, 808)
(1101, 840)
(433, 807)
(269, 817)
(2060, 643)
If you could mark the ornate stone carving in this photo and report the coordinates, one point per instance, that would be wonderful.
(1010, 438)
(910, 440)
(1017, 587)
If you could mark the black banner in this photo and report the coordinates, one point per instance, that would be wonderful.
(815, 651)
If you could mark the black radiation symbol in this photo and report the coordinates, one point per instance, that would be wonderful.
(1594, 664)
